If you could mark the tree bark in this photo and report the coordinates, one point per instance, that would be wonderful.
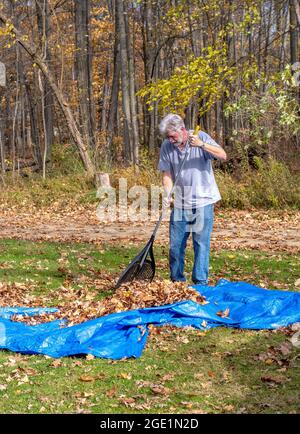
(149, 42)
(129, 143)
(132, 91)
(83, 70)
(47, 96)
(114, 97)
(297, 10)
(104, 100)
(293, 33)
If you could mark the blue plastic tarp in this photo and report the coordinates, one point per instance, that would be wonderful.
(124, 334)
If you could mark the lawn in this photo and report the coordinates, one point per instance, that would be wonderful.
(180, 371)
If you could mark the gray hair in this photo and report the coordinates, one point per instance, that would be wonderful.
(171, 122)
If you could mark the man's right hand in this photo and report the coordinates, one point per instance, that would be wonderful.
(166, 202)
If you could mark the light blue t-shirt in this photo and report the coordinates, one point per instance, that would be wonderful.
(196, 186)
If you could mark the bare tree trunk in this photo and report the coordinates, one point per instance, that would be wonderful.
(47, 97)
(114, 97)
(282, 53)
(133, 107)
(104, 101)
(16, 111)
(129, 144)
(2, 152)
(83, 70)
(34, 132)
(217, 121)
(297, 10)
(293, 32)
(149, 43)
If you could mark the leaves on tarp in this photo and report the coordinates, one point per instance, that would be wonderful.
(223, 314)
(80, 305)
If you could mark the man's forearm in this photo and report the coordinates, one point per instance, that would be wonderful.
(216, 151)
(167, 182)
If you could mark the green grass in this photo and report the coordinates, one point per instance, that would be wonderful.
(39, 262)
(180, 370)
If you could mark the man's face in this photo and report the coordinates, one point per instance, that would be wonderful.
(177, 138)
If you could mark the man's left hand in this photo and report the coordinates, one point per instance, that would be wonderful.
(195, 141)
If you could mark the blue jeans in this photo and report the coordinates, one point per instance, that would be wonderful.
(199, 221)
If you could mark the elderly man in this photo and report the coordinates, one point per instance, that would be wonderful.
(196, 193)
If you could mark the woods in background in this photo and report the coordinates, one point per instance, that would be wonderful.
(102, 73)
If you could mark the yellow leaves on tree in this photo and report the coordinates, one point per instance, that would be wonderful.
(205, 78)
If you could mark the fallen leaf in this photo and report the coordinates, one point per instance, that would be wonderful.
(160, 390)
(125, 376)
(285, 348)
(272, 379)
(127, 401)
(167, 377)
(205, 385)
(87, 378)
(223, 314)
(56, 363)
(90, 357)
(111, 392)
(187, 404)
(229, 407)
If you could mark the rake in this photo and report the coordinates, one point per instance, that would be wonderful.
(142, 267)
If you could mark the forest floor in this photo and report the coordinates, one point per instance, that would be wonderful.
(233, 230)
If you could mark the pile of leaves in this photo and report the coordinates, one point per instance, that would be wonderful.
(79, 305)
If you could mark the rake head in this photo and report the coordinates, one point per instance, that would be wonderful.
(142, 267)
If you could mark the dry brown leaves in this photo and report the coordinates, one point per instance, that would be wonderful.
(233, 229)
(17, 294)
(79, 305)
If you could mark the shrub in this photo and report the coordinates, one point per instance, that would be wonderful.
(269, 185)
